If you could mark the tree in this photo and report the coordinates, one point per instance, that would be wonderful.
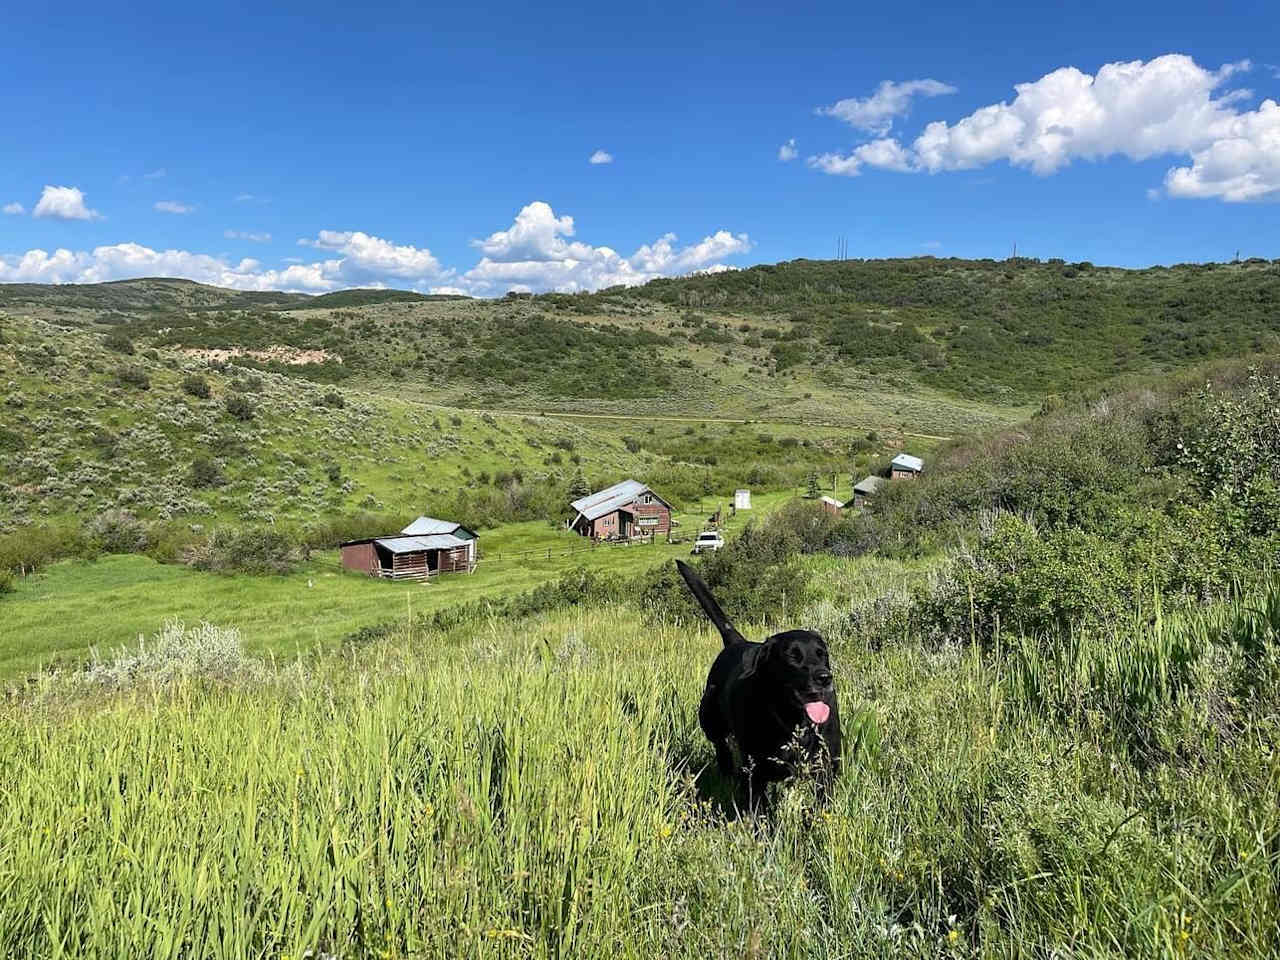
(812, 481)
(578, 486)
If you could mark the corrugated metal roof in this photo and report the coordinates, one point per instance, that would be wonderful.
(908, 462)
(869, 485)
(439, 541)
(610, 499)
(426, 526)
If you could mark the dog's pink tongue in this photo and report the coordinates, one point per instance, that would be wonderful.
(817, 711)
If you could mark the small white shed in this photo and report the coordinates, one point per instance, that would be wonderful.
(742, 499)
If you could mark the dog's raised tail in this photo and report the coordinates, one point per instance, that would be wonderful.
(702, 594)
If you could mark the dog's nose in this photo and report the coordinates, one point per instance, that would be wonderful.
(824, 679)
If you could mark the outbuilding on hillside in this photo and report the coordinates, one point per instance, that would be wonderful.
(425, 548)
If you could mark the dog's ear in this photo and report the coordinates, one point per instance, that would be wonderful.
(757, 657)
(703, 595)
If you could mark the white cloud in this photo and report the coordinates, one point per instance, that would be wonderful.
(535, 253)
(364, 258)
(154, 174)
(363, 261)
(173, 206)
(251, 198)
(123, 260)
(599, 157)
(885, 153)
(1241, 165)
(1166, 106)
(64, 203)
(788, 151)
(876, 113)
(245, 235)
(14, 209)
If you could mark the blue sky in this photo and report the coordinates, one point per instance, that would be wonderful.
(322, 146)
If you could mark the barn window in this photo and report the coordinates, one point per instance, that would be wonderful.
(647, 498)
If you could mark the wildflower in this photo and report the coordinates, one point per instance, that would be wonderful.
(664, 831)
(953, 937)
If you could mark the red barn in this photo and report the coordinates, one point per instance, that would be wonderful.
(625, 511)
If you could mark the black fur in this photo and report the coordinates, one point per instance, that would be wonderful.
(755, 696)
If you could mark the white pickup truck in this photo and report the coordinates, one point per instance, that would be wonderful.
(708, 540)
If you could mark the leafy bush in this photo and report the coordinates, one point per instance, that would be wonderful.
(118, 531)
(334, 399)
(118, 341)
(6, 582)
(259, 551)
(240, 407)
(1017, 579)
(176, 652)
(11, 441)
(132, 376)
(196, 386)
(205, 472)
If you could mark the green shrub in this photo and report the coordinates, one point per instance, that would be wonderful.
(240, 407)
(253, 550)
(11, 441)
(205, 472)
(133, 376)
(196, 386)
(6, 582)
(118, 341)
(118, 531)
(1018, 579)
(334, 399)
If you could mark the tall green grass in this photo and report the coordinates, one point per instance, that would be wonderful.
(540, 791)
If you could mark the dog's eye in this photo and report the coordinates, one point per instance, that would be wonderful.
(795, 656)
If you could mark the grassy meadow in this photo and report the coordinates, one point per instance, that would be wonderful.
(543, 791)
(59, 614)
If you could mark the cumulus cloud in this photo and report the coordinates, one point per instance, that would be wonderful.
(1166, 106)
(173, 206)
(364, 258)
(14, 209)
(123, 260)
(536, 253)
(884, 153)
(599, 157)
(246, 235)
(360, 260)
(876, 113)
(64, 203)
(788, 151)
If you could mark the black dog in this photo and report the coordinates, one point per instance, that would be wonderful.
(776, 700)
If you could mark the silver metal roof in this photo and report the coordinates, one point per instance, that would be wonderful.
(869, 485)
(426, 526)
(439, 541)
(908, 462)
(610, 499)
